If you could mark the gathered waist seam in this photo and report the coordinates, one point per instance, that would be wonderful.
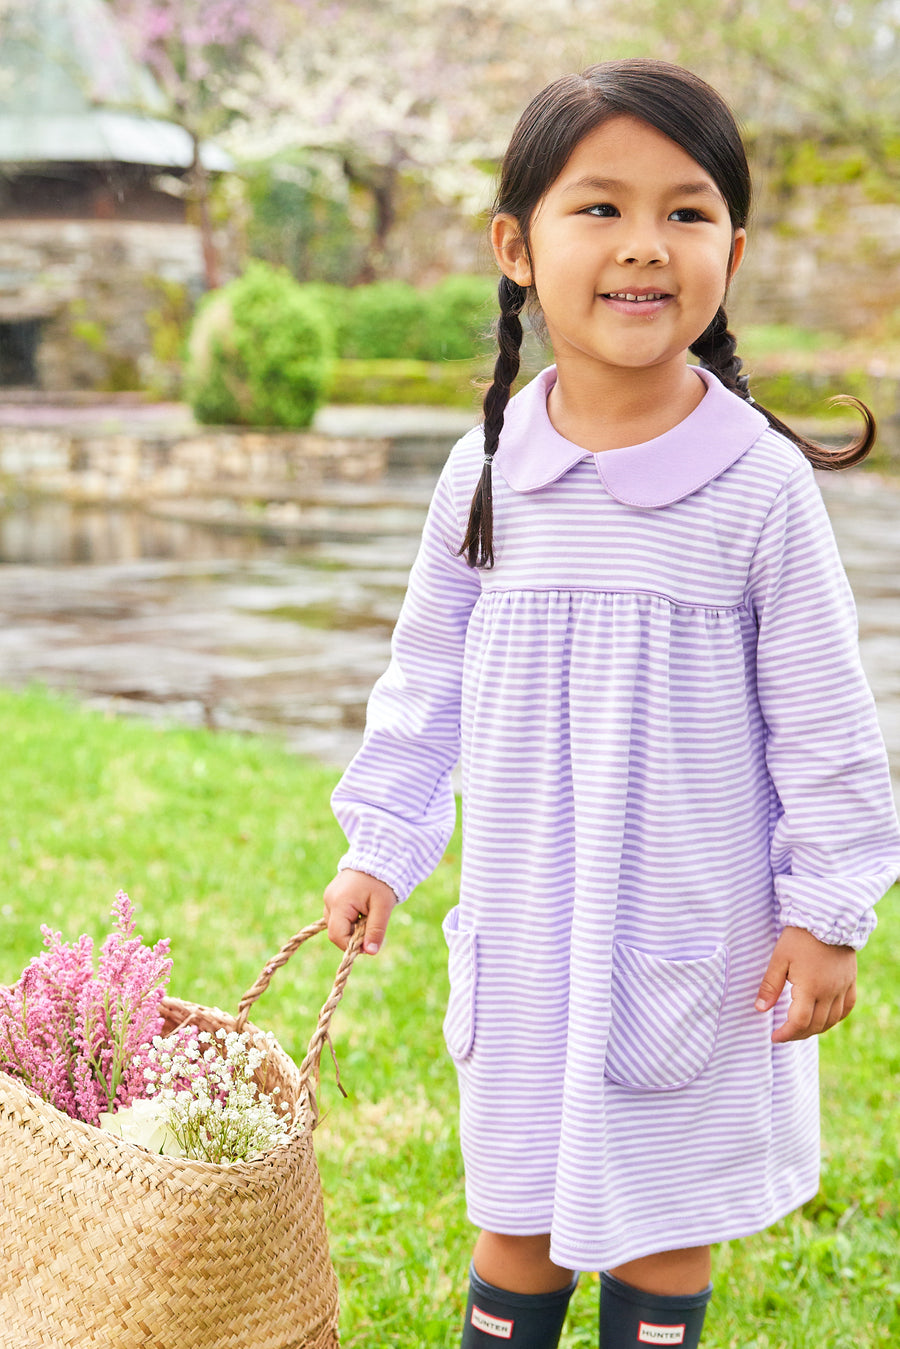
(735, 607)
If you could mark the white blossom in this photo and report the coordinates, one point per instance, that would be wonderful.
(214, 1110)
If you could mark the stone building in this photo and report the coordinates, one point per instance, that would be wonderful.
(98, 260)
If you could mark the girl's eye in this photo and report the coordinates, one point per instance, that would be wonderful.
(603, 210)
(687, 215)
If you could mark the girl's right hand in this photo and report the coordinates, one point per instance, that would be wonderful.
(350, 894)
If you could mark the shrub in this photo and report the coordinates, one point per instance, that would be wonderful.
(336, 302)
(387, 321)
(392, 320)
(461, 312)
(259, 352)
(807, 393)
(422, 383)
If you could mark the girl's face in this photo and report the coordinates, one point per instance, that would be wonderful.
(630, 251)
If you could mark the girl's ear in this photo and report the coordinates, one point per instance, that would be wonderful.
(509, 249)
(737, 252)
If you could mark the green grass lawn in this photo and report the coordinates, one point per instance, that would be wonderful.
(225, 845)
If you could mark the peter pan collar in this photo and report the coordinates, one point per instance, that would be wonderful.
(658, 472)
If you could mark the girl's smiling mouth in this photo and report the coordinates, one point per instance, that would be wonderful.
(640, 302)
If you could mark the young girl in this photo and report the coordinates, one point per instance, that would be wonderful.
(676, 807)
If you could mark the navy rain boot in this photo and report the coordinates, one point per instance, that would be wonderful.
(523, 1320)
(630, 1318)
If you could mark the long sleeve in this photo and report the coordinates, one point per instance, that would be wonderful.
(836, 843)
(395, 802)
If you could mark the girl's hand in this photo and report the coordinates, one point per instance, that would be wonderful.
(350, 894)
(823, 979)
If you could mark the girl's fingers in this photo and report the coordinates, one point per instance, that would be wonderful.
(823, 984)
(839, 1010)
(381, 906)
(339, 928)
(808, 1018)
(772, 985)
(821, 1018)
(842, 1007)
(799, 1017)
(342, 909)
(352, 894)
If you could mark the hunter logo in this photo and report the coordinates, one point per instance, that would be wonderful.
(650, 1334)
(492, 1325)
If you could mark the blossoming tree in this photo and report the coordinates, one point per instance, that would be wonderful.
(199, 50)
(423, 89)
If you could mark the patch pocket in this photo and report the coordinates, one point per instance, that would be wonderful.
(459, 1023)
(665, 1017)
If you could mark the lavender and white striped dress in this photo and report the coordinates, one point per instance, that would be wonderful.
(669, 751)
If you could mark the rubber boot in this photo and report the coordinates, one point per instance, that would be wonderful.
(630, 1318)
(523, 1320)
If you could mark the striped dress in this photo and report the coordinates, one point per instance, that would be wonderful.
(668, 752)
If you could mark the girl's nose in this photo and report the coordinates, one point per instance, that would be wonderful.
(642, 249)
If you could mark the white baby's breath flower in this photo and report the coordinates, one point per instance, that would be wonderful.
(207, 1082)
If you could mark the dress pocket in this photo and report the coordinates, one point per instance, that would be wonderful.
(665, 1017)
(459, 1023)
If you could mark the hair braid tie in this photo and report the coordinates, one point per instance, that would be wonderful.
(742, 381)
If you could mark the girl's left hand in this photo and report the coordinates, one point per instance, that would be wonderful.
(823, 980)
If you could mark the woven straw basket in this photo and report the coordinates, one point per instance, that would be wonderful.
(105, 1244)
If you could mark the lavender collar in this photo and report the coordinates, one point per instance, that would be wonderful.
(721, 428)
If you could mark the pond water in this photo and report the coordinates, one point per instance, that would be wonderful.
(282, 623)
(278, 624)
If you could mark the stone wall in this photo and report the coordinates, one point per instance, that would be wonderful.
(96, 286)
(827, 258)
(87, 465)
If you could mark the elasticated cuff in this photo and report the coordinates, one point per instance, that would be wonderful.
(846, 932)
(382, 869)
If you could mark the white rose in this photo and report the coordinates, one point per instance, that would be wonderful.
(144, 1123)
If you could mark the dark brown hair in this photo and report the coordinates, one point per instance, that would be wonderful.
(691, 113)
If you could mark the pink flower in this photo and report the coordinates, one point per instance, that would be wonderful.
(74, 1036)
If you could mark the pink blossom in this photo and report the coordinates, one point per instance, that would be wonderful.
(190, 42)
(74, 1036)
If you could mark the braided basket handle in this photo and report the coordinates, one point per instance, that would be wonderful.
(309, 1068)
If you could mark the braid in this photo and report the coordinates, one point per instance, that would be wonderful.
(717, 349)
(478, 544)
